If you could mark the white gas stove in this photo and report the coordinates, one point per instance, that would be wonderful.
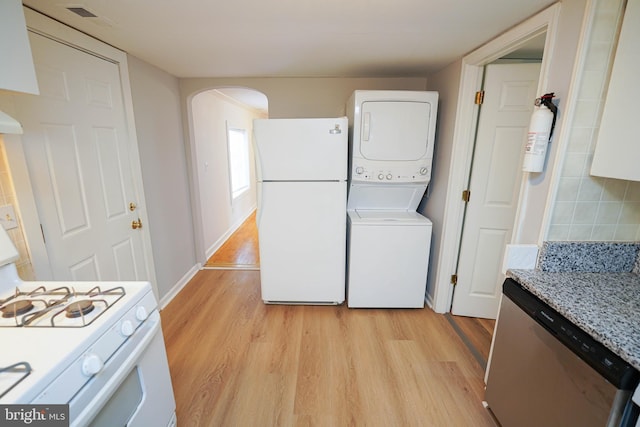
(83, 344)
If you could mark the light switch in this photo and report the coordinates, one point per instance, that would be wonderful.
(8, 217)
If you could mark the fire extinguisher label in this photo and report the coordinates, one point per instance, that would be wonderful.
(536, 142)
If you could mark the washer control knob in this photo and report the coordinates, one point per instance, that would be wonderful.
(359, 170)
(126, 328)
(423, 171)
(91, 364)
(380, 176)
(389, 176)
(141, 313)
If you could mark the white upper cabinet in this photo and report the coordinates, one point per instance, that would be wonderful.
(17, 72)
(617, 153)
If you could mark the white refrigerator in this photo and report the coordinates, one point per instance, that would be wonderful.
(302, 195)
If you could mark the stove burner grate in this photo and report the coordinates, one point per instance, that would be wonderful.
(16, 308)
(79, 308)
(30, 308)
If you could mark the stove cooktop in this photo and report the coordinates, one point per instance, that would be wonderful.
(62, 306)
(49, 350)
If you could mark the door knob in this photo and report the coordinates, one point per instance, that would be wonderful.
(136, 224)
(132, 206)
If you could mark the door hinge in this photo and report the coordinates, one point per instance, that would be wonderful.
(479, 97)
(42, 231)
(454, 279)
(466, 195)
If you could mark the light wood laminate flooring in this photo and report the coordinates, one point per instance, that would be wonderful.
(476, 334)
(235, 361)
(240, 251)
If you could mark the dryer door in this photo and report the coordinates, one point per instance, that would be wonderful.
(394, 130)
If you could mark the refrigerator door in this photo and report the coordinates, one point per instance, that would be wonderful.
(301, 149)
(302, 240)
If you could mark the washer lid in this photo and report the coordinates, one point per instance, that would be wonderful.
(388, 217)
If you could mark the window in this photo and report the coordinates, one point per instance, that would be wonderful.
(238, 161)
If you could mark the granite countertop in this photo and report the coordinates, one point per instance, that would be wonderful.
(594, 285)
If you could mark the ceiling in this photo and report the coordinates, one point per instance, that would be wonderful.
(294, 38)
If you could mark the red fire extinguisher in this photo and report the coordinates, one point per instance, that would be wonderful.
(540, 132)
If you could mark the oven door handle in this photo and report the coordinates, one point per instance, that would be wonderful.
(148, 330)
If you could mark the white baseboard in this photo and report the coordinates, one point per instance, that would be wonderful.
(428, 299)
(218, 243)
(178, 286)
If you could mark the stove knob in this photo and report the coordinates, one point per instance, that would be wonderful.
(359, 170)
(127, 328)
(380, 177)
(389, 176)
(141, 313)
(91, 364)
(423, 171)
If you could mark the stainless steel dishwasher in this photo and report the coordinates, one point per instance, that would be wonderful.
(545, 371)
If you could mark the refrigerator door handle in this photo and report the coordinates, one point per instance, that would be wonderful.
(258, 203)
(257, 163)
(256, 158)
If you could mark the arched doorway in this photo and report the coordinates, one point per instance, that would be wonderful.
(221, 130)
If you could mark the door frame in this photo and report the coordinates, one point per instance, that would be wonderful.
(471, 78)
(47, 27)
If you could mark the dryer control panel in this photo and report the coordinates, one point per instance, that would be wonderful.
(414, 173)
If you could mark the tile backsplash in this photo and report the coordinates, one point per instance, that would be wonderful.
(588, 207)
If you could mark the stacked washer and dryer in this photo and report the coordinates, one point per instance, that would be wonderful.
(391, 137)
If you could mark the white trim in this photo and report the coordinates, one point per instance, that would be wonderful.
(47, 27)
(463, 139)
(549, 46)
(175, 289)
(194, 182)
(428, 301)
(55, 30)
(218, 243)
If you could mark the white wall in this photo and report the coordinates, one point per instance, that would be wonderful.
(447, 82)
(156, 103)
(212, 112)
(303, 97)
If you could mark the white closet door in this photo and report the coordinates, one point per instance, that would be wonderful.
(510, 91)
(78, 154)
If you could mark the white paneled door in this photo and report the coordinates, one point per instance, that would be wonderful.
(78, 155)
(510, 91)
